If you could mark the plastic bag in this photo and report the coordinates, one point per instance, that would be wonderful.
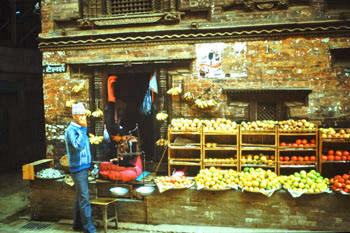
(146, 107)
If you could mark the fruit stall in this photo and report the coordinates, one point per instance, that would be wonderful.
(267, 174)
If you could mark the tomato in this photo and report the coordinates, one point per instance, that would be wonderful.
(312, 158)
(283, 144)
(346, 190)
(344, 158)
(338, 153)
(294, 158)
(341, 180)
(331, 152)
(306, 158)
(286, 158)
(324, 158)
(346, 176)
(304, 141)
(346, 153)
(348, 157)
(301, 158)
(298, 141)
(312, 141)
(330, 157)
(294, 145)
(337, 158)
(289, 144)
(337, 184)
(337, 177)
(281, 158)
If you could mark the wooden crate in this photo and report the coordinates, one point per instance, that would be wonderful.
(29, 170)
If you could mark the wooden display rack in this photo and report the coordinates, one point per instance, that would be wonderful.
(285, 149)
(225, 145)
(184, 153)
(340, 142)
(259, 141)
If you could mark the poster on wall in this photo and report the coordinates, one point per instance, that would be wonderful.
(209, 60)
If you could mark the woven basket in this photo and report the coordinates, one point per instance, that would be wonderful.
(64, 162)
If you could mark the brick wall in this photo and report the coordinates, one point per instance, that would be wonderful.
(292, 62)
(327, 212)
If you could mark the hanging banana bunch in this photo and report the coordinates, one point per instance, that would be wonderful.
(203, 104)
(162, 142)
(161, 116)
(88, 113)
(97, 113)
(95, 139)
(174, 91)
(79, 87)
(188, 96)
(69, 103)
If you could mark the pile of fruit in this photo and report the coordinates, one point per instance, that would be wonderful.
(297, 160)
(305, 182)
(216, 179)
(340, 183)
(173, 182)
(221, 161)
(338, 155)
(219, 124)
(332, 133)
(185, 124)
(258, 180)
(208, 125)
(258, 159)
(296, 125)
(299, 143)
(258, 125)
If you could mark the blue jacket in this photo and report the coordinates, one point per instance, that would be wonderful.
(78, 147)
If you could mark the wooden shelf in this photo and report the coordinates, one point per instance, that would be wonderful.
(220, 164)
(221, 148)
(314, 148)
(258, 148)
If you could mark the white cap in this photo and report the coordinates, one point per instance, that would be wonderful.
(78, 108)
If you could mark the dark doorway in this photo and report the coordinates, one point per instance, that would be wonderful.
(131, 88)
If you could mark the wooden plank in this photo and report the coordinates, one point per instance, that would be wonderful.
(28, 170)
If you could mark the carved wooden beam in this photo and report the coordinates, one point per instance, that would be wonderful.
(265, 4)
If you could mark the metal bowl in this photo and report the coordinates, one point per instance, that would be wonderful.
(145, 190)
(118, 191)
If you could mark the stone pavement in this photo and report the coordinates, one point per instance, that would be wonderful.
(23, 225)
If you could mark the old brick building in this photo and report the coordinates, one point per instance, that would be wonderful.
(258, 59)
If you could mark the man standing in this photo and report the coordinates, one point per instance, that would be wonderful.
(79, 155)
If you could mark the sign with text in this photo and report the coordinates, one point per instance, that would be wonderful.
(54, 68)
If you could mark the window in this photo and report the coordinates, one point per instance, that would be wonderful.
(107, 8)
(338, 4)
(340, 56)
(267, 104)
(266, 111)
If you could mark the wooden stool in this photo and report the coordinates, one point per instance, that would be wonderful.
(104, 202)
